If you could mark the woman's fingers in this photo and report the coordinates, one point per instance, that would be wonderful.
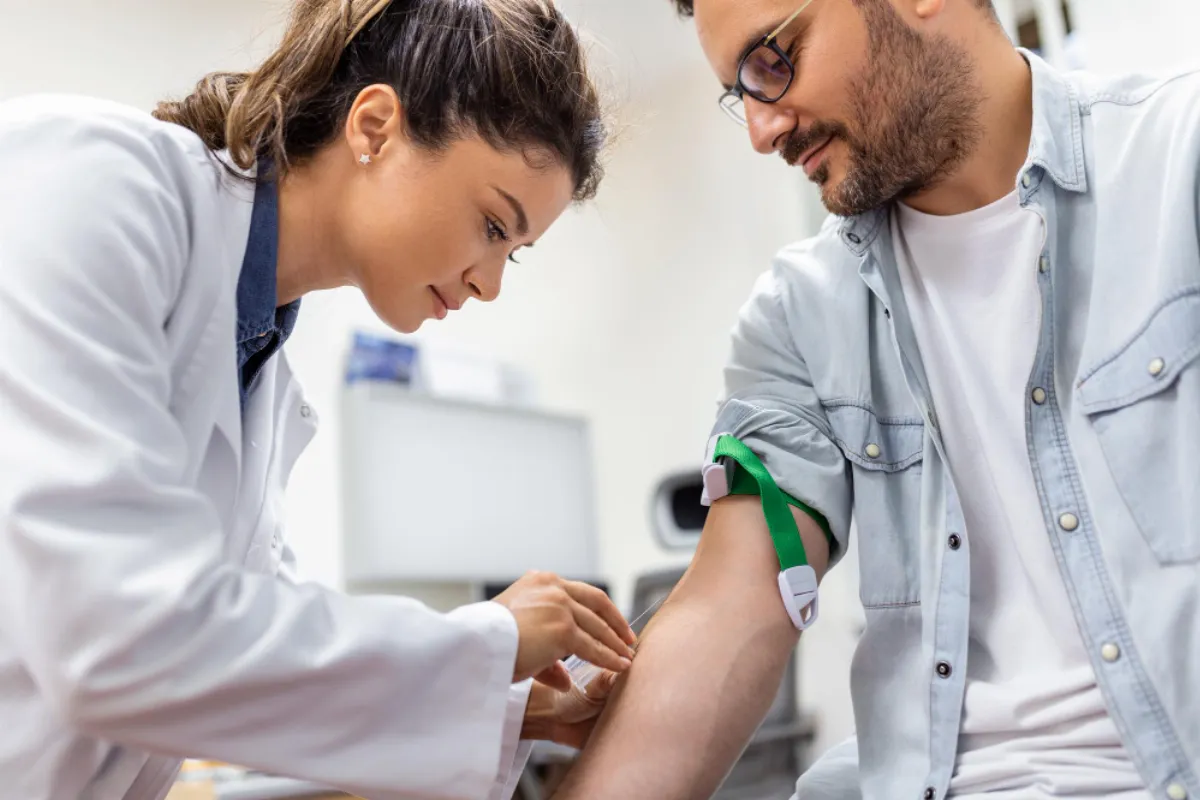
(599, 630)
(556, 677)
(600, 604)
(584, 645)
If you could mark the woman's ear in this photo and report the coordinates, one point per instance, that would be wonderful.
(376, 120)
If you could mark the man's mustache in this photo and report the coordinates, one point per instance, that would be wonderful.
(799, 142)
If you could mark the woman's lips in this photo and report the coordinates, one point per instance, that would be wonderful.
(440, 307)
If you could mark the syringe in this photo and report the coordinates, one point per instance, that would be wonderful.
(584, 672)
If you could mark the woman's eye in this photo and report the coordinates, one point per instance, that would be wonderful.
(495, 232)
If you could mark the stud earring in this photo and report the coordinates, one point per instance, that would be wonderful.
(364, 159)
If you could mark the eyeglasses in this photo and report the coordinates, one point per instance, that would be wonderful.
(764, 73)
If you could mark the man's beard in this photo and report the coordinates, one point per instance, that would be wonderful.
(915, 109)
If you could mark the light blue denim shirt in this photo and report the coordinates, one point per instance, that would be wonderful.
(825, 363)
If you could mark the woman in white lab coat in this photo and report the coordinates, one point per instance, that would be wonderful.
(150, 269)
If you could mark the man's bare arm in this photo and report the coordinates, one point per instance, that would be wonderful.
(706, 671)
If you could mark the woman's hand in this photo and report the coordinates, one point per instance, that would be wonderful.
(566, 717)
(557, 618)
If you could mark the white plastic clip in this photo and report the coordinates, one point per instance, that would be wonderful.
(715, 474)
(798, 588)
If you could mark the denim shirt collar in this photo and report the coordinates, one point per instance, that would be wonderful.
(262, 328)
(1055, 146)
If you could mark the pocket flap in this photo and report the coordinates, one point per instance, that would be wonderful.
(883, 444)
(1150, 361)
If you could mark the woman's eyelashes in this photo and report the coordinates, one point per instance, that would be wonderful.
(496, 233)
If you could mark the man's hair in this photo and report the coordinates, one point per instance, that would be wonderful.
(687, 7)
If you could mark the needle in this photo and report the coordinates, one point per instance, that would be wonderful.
(643, 615)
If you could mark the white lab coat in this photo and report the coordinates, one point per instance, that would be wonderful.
(147, 609)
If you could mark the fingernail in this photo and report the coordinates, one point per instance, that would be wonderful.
(625, 663)
(631, 651)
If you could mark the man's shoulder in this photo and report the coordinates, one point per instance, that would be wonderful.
(812, 284)
(1135, 99)
(1144, 132)
(820, 265)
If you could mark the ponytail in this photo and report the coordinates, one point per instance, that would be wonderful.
(245, 112)
(512, 72)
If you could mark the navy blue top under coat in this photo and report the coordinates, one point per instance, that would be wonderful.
(262, 326)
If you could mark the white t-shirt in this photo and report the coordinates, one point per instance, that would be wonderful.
(1034, 721)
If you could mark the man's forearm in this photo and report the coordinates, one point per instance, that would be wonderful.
(705, 674)
(699, 687)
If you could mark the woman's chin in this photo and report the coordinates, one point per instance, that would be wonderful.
(401, 320)
(408, 325)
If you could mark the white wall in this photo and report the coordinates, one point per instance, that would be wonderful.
(1148, 35)
(134, 51)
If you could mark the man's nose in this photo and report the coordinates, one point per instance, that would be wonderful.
(768, 124)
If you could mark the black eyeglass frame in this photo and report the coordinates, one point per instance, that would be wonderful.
(736, 94)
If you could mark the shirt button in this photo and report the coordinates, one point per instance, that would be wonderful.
(1110, 652)
(955, 541)
(1068, 522)
(1156, 367)
(930, 793)
(943, 669)
(872, 451)
(306, 411)
(1044, 264)
(1176, 792)
(1039, 395)
(853, 237)
(1025, 181)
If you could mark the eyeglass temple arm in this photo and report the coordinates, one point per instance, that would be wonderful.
(771, 36)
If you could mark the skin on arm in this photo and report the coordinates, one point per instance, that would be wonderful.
(706, 671)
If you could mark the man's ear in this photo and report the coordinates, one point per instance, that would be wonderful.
(927, 9)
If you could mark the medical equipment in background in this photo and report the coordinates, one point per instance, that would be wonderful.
(382, 359)
(437, 371)
(441, 497)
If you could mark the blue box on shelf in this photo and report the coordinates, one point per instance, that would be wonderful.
(376, 358)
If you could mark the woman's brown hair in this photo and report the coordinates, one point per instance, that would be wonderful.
(510, 71)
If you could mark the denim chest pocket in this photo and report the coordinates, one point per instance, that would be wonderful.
(1144, 405)
(885, 455)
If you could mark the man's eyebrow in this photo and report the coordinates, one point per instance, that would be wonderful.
(751, 43)
(518, 209)
(771, 30)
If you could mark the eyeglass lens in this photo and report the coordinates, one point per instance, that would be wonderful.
(732, 105)
(765, 74)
